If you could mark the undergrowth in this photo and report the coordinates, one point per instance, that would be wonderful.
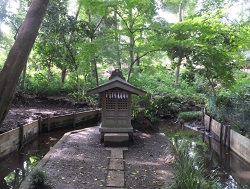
(189, 172)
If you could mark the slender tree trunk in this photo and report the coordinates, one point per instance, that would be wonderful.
(117, 40)
(94, 62)
(48, 71)
(18, 55)
(131, 44)
(131, 55)
(212, 84)
(64, 69)
(1, 28)
(3, 12)
(23, 78)
(84, 84)
(177, 72)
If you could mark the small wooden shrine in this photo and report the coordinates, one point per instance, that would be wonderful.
(116, 105)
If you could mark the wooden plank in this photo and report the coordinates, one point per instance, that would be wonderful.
(8, 135)
(30, 130)
(216, 129)
(207, 122)
(9, 142)
(240, 144)
(61, 118)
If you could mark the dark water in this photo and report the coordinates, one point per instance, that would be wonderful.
(231, 170)
(15, 166)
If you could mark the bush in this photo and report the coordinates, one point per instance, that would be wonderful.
(190, 116)
(164, 98)
(189, 172)
(38, 178)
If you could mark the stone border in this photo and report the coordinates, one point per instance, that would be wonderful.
(228, 137)
(16, 138)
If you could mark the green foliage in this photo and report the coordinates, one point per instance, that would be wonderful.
(39, 84)
(38, 178)
(210, 48)
(189, 172)
(164, 98)
(175, 133)
(189, 116)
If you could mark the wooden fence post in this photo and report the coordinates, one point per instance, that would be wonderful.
(228, 136)
(203, 116)
(209, 126)
(221, 133)
(74, 120)
(20, 135)
(48, 116)
(40, 125)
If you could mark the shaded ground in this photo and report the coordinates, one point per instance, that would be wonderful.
(80, 161)
(27, 109)
(147, 162)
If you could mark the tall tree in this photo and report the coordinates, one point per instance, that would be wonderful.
(18, 55)
(3, 5)
(137, 24)
(183, 8)
(209, 46)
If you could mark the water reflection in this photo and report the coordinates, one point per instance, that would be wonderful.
(15, 166)
(232, 171)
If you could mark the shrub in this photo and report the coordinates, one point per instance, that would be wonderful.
(189, 116)
(38, 178)
(189, 172)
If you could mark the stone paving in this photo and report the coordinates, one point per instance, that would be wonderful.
(116, 172)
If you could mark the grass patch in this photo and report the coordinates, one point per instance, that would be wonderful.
(190, 116)
(38, 179)
(188, 170)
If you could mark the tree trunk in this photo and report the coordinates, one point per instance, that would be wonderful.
(131, 54)
(131, 45)
(18, 55)
(3, 15)
(64, 69)
(23, 78)
(177, 72)
(48, 71)
(117, 40)
(63, 74)
(1, 28)
(93, 61)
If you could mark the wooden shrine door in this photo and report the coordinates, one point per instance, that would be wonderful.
(117, 109)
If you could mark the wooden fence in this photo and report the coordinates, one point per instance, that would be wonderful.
(16, 138)
(226, 136)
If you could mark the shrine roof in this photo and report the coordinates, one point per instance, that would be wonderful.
(117, 82)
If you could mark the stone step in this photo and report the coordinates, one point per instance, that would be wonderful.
(115, 179)
(116, 139)
(116, 164)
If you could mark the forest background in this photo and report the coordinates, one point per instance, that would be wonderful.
(184, 53)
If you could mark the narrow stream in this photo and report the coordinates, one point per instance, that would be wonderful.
(15, 166)
(232, 171)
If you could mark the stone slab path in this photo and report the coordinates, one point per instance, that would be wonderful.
(80, 161)
(116, 172)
